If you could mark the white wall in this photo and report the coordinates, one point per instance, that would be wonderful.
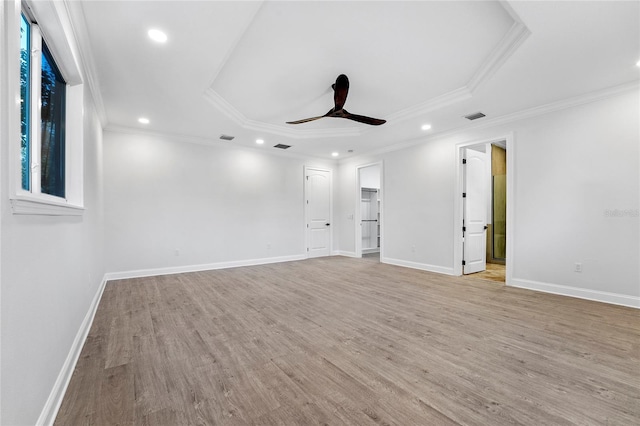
(52, 268)
(571, 167)
(214, 204)
(370, 177)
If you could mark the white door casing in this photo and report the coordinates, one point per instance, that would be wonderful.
(368, 181)
(475, 212)
(318, 211)
(369, 219)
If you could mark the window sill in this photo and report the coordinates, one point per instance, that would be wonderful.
(44, 208)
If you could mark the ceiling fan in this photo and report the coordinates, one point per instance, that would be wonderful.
(340, 91)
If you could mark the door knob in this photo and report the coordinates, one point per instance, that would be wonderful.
(327, 224)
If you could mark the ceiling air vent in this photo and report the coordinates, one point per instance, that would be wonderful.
(282, 146)
(226, 137)
(474, 116)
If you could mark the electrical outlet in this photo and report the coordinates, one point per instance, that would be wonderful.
(578, 267)
(177, 252)
(268, 246)
(413, 249)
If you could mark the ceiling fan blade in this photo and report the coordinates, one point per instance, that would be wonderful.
(340, 92)
(305, 120)
(363, 119)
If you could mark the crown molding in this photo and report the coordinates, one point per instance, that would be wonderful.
(508, 118)
(210, 142)
(507, 46)
(235, 42)
(511, 41)
(574, 101)
(75, 11)
(230, 111)
(455, 96)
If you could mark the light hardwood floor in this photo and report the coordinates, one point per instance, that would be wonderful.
(493, 272)
(350, 341)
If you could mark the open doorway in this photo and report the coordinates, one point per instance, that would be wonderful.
(368, 223)
(482, 240)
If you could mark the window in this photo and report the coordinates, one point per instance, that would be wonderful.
(43, 110)
(47, 103)
(45, 100)
(25, 101)
(52, 120)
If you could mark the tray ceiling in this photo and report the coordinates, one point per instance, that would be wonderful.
(244, 68)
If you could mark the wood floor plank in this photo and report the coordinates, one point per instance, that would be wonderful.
(350, 341)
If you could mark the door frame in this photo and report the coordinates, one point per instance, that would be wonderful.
(358, 211)
(306, 169)
(458, 213)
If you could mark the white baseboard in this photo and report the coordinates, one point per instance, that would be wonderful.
(196, 268)
(345, 253)
(51, 407)
(581, 293)
(416, 265)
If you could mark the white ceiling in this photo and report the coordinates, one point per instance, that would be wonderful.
(245, 68)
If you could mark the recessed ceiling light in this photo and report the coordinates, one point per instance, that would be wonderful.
(259, 141)
(426, 126)
(638, 64)
(157, 35)
(334, 154)
(143, 120)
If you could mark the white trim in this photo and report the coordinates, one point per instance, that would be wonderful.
(78, 26)
(556, 106)
(35, 206)
(345, 253)
(505, 119)
(52, 405)
(54, 27)
(296, 133)
(415, 265)
(433, 104)
(506, 47)
(35, 110)
(580, 293)
(514, 38)
(357, 223)
(174, 137)
(511, 207)
(458, 205)
(198, 268)
(4, 135)
(234, 44)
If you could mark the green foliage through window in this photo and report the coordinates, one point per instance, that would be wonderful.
(52, 114)
(25, 104)
(50, 97)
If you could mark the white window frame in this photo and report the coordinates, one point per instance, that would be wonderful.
(54, 26)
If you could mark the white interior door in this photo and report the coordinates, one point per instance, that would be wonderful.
(318, 207)
(475, 212)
